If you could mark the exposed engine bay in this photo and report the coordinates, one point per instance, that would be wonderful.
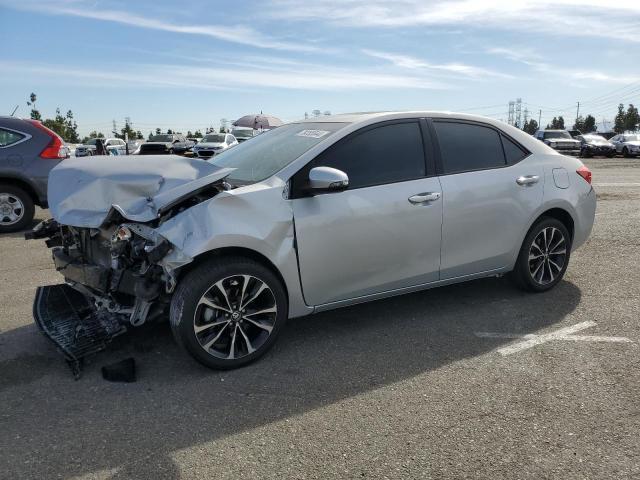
(118, 272)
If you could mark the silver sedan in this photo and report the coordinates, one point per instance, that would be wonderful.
(312, 216)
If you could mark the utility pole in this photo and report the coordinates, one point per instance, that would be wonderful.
(578, 111)
(518, 119)
(511, 112)
(539, 118)
(526, 116)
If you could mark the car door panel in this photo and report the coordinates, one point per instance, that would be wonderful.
(490, 188)
(485, 213)
(368, 240)
(384, 231)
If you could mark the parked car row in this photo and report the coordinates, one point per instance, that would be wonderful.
(590, 144)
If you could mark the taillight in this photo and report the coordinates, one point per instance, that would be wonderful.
(585, 173)
(55, 147)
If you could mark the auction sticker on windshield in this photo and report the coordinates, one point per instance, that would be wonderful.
(312, 133)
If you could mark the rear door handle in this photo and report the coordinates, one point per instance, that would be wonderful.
(525, 180)
(425, 197)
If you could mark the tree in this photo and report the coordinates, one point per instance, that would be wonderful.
(35, 114)
(589, 124)
(197, 134)
(579, 125)
(169, 131)
(631, 118)
(65, 126)
(530, 126)
(316, 113)
(619, 122)
(93, 134)
(557, 123)
(127, 132)
(158, 131)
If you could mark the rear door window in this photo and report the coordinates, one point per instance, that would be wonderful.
(465, 147)
(9, 137)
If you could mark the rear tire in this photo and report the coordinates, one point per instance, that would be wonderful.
(228, 311)
(16, 208)
(544, 256)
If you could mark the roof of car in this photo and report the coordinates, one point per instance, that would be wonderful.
(358, 117)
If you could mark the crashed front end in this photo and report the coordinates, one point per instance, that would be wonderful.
(115, 270)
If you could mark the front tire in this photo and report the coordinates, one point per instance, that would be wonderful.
(228, 312)
(544, 256)
(16, 209)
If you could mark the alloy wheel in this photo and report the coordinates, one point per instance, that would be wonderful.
(547, 255)
(235, 317)
(11, 209)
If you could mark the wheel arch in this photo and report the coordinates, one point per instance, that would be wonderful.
(561, 215)
(23, 184)
(237, 252)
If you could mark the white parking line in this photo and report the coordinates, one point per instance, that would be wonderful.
(531, 340)
(610, 184)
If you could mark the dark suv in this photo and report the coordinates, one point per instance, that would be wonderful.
(166, 144)
(28, 152)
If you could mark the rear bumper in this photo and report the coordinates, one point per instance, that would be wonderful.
(585, 216)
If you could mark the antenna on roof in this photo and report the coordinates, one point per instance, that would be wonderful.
(14, 111)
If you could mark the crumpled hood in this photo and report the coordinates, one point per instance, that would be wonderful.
(82, 191)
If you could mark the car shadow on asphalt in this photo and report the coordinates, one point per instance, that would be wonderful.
(132, 429)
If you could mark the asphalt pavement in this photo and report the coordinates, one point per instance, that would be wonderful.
(477, 380)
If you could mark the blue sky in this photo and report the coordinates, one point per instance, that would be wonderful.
(187, 65)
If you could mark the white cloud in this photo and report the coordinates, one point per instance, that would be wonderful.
(412, 63)
(590, 18)
(309, 77)
(535, 61)
(234, 34)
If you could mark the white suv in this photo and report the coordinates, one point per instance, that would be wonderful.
(115, 146)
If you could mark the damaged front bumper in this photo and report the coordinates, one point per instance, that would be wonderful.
(114, 278)
(73, 323)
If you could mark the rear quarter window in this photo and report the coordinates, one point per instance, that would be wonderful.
(9, 137)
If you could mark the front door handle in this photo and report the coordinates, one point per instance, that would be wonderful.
(525, 180)
(425, 197)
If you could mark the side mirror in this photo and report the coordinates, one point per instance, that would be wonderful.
(327, 179)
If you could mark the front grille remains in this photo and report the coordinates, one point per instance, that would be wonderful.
(71, 322)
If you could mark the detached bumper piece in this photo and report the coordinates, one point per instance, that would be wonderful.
(72, 323)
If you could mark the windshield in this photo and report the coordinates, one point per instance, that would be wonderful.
(271, 151)
(91, 142)
(161, 138)
(242, 133)
(214, 138)
(595, 138)
(557, 135)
